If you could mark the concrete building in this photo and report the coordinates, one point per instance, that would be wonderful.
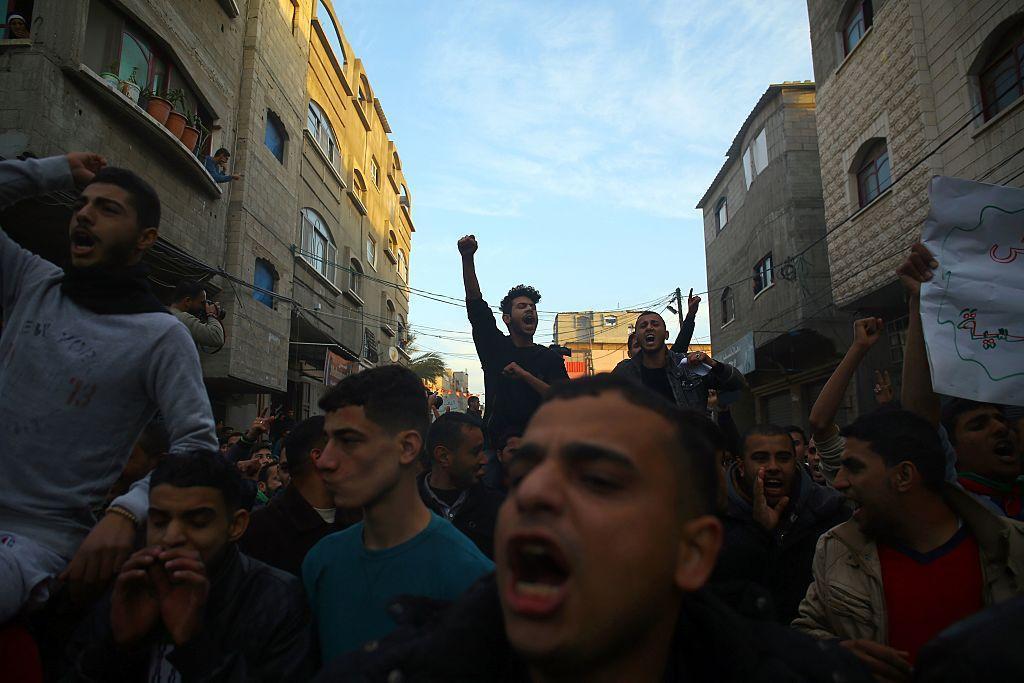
(907, 89)
(453, 388)
(770, 300)
(598, 339)
(246, 72)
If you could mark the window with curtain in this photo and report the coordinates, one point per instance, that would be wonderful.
(318, 247)
(264, 278)
(858, 20)
(764, 276)
(320, 130)
(1002, 78)
(875, 175)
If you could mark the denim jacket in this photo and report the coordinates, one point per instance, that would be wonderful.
(689, 388)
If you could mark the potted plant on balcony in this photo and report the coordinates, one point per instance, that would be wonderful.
(190, 136)
(130, 86)
(175, 119)
(110, 76)
(157, 107)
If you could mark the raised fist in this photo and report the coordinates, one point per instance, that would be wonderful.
(468, 245)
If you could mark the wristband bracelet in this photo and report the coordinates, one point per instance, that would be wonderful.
(124, 513)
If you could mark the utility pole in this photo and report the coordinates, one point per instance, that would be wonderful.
(679, 305)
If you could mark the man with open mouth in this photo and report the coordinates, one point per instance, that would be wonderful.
(517, 372)
(774, 518)
(602, 550)
(91, 350)
(680, 378)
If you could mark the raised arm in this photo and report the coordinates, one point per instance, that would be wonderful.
(918, 395)
(866, 333)
(33, 177)
(468, 247)
(682, 343)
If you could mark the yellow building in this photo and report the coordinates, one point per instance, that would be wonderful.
(598, 339)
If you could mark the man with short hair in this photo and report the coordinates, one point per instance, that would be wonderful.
(453, 486)
(283, 532)
(473, 407)
(90, 349)
(268, 483)
(799, 437)
(190, 606)
(680, 379)
(375, 422)
(517, 372)
(603, 548)
(918, 555)
(200, 316)
(774, 517)
(217, 165)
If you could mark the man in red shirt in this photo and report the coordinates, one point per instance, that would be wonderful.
(918, 555)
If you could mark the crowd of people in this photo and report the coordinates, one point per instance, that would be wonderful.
(620, 527)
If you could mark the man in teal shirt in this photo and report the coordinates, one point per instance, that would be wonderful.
(375, 423)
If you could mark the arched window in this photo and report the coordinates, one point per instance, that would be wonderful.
(318, 247)
(265, 280)
(357, 180)
(364, 92)
(323, 16)
(320, 130)
(389, 312)
(398, 162)
(392, 242)
(403, 197)
(403, 266)
(874, 175)
(858, 20)
(355, 277)
(1002, 76)
(721, 213)
(728, 306)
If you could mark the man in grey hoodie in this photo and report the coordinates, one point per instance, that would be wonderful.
(90, 349)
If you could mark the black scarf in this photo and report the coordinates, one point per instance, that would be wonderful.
(111, 290)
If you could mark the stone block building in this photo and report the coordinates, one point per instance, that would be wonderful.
(907, 89)
(770, 298)
(247, 73)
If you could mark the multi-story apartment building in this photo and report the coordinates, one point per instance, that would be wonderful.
(770, 300)
(309, 252)
(907, 89)
(598, 339)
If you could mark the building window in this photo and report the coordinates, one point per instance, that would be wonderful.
(611, 320)
(389, 312)
(858, 20)
(326, 21)
(874, 176)
(721, 214)
(403, 197)
(274, 137)
(729, 304)
(375, 171)
(1002, 77)
(398, 162)
(357, 180)
(371, 251)
(403, 266)
(318, 247)
(265, 280)
(392, 242)
(116, 45)
(321, 131)
(764, 275)
(755, 159)
(355, 277)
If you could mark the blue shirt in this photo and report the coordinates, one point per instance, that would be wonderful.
(350, 587)
(215, 172)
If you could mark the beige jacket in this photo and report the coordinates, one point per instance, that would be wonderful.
(208, 334)
(846, 599)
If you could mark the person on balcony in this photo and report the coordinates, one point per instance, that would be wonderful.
(217, 166)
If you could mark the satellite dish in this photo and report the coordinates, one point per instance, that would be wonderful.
(393, 354)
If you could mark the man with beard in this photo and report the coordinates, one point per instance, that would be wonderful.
(918, 555)
(774, 517)
(201, 317)
(189, 606)
(602, 550)
(90, 349)
(517, 372)
(681, 379)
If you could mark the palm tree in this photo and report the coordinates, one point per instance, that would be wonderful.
(428, 366)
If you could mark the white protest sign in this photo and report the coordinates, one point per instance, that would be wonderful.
(973, 309)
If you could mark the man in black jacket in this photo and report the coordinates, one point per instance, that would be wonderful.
(774, 518)
(283, 531)
(190, 606)
(453, 487)
(602, 549)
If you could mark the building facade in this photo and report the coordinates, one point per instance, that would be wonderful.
(598, 340)
(280, 247)
(907, 89)
(770, 300)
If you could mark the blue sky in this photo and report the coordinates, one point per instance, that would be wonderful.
(572, 138)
